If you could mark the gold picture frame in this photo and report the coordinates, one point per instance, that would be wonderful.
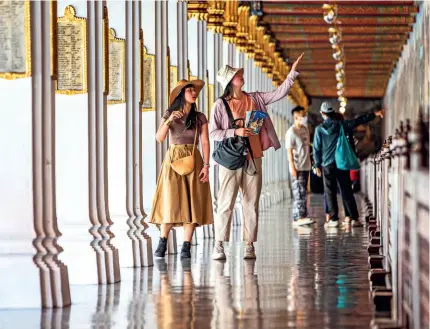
(149, 99)
(173, 76)
(114, 41)
(27, 40)
(70, 19)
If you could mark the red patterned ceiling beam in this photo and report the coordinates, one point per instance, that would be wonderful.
(353, 10)
(345, 3)
(352, 21)
(357, 45)
(346, 38)
(310, 29)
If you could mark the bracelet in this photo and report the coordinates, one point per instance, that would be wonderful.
(206, 165)
(168, 122)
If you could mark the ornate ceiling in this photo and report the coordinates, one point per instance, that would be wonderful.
(374, 33)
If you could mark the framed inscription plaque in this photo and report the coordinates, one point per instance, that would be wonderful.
(15, 36)
(72, 53)
(148, 81)
(116, 69)
(173, 76)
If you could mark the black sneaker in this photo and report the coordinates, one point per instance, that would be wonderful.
(186, 250)
(162, 248)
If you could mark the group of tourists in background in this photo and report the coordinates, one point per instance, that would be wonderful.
(183, 196)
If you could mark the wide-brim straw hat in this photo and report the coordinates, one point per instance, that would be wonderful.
(226, 74)
(181, 84)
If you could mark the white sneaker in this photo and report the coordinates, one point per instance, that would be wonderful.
(303, 221)
(332, 223)
(250, 252)
(218, 253)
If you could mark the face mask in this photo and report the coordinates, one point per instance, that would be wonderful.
(304, 120)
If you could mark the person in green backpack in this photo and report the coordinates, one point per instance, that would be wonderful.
(331, 164)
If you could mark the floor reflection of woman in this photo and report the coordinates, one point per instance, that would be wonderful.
(183, 200)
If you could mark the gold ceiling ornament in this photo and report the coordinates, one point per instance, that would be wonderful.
(243, 29)
(230, 21)
(198, 10)
(259, 46)
(252, 36)
(266, 66)
(215, 19)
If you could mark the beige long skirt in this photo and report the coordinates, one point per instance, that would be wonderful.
(180, 199)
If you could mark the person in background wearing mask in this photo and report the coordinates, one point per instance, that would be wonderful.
(325, 142)
(297, 143)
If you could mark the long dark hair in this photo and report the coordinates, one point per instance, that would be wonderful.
(228, 91)
(179, 103)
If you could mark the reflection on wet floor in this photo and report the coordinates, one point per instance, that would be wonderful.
(302, 278)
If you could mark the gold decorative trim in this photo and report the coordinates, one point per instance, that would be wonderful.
(105, 50)
(173, 76)
(113, 39)
(211, 98)
(27, 33)
(70, 17)
(150, 59)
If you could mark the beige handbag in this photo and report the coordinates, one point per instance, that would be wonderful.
(184, 166)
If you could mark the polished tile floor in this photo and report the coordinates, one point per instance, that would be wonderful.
(302, 278)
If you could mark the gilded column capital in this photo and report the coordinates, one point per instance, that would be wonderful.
(198, 10)
(259, 46)
(252, 36)
(243, 29)
(215, 20)
(231, 21)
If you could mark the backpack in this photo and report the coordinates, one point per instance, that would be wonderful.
(231, 153)
(344, 155)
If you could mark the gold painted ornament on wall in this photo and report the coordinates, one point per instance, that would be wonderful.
(15, 50)
(72, 53)
(149, 98)
(116, 69)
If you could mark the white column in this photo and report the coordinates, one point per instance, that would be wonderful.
(28, 184)
(217, 64)
(182, 28)
(99, 207)
(161, 42)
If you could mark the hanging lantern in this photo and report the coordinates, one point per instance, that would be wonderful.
(341, 99)
(340, 85)
(330, 13)
(342, 110)
(343, 104)
(340, 92)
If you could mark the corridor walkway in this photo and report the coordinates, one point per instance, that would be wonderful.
(303, 278)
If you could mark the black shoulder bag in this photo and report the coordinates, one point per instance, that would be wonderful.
(232, 152)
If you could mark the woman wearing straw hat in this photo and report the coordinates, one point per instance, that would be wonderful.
(231, 181)
(182, 196)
